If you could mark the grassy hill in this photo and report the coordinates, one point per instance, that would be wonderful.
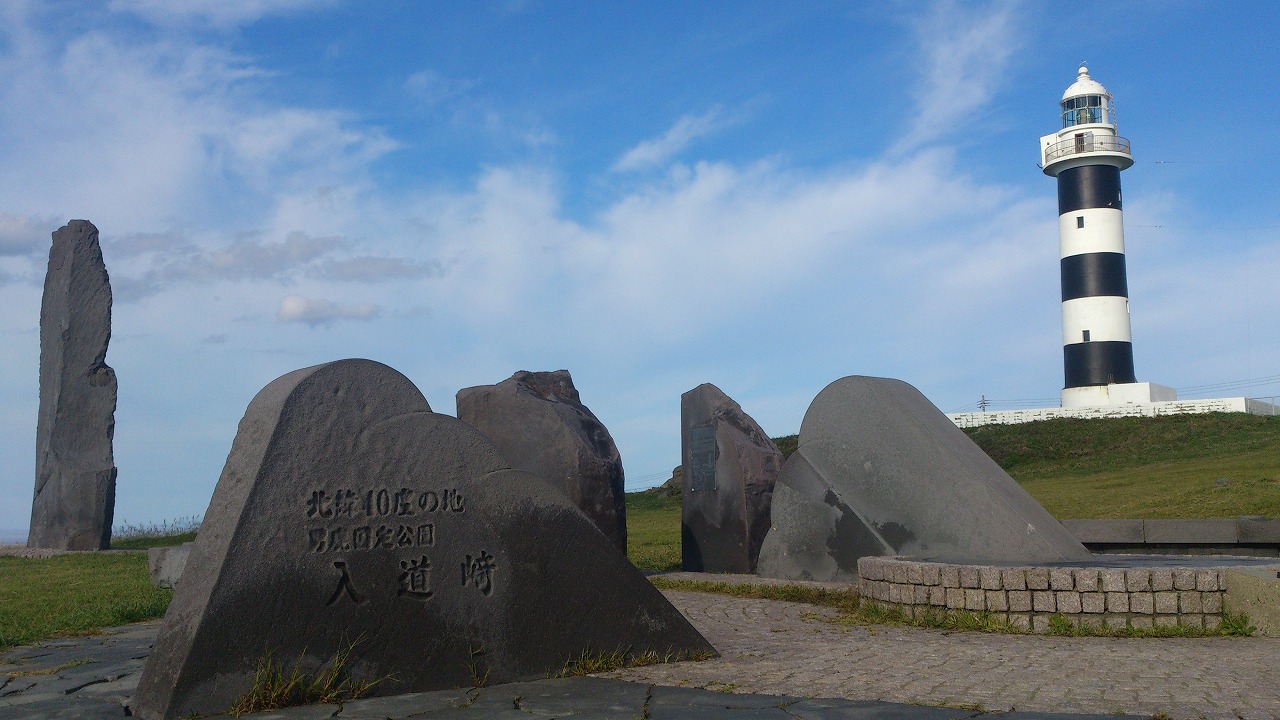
(1178, 466)
(1175, 466)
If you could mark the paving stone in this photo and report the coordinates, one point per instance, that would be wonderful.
(1184, 579)
(997, 601)
(915, 574)
(1142, 602)
(930, 574)
(950, 576)
(1043, 601)
(1207, 580)
(955, 598)
(1019, 601)
(1212, 602)
(1087, 580)
(1161, 579)
(1142, 622)
(989, 578)
(1113, 581)
(1037, 578)
(1166, 602)
(1137, 580)
(1191, 620)
(1061, 579)
(1166, 621)
(1190, 602)
(1068, 602)
(1093, 602)
(1117, 602)
(975, 599)
(970, 577)
(1014, 578)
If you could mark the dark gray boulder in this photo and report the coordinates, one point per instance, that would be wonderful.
(540, 425)
(75, 493)
(729, 467)
(349, 515)
(880, 471)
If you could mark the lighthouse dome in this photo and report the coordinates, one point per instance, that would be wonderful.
(1084, 85)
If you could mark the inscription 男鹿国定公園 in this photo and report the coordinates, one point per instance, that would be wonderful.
(401, 509)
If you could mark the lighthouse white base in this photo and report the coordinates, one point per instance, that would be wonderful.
(1252, 406)
(1117, 394)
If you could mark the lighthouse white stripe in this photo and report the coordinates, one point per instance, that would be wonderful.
(1103, 231)
(1106, 318)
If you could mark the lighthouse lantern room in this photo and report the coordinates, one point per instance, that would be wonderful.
(1086, 156)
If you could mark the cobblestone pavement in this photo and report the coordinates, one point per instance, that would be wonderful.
(768, 648)
(780, 648)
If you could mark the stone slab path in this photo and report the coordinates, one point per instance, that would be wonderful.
(779, 660)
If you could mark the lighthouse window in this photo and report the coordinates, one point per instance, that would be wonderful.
(1086, 336)
(1079, 221)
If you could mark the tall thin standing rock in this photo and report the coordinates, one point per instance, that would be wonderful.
(75, 491)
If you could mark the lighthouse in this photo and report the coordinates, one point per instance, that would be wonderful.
(1086, 156)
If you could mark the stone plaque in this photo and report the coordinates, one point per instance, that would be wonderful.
(702, 457)
(349, 515)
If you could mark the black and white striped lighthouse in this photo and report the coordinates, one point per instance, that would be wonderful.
(1086, 156)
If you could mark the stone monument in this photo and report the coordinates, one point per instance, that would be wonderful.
(540, 425)
(730, 466)
(350, 516)
(880, 471)
(75, 492)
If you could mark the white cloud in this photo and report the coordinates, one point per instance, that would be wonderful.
(314, 311)
(222, 13)
(657, 151)
(967, 48)
(433, 88)
(366, 268)
(143, 136)
(24, 235)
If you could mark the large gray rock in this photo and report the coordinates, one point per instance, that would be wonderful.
(75, 492)
(540, 425)
(350, 514)
(167, 564)
(881, 471)
(730, 466)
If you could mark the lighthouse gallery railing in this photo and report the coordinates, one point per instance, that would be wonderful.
(1087, 143)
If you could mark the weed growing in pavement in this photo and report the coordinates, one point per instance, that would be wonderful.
(276, 687)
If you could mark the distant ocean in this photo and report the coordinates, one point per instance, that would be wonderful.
(10, 536)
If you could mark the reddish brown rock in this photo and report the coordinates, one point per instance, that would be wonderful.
(729, 468)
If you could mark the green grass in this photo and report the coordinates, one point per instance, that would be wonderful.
(74, 594)
(1174, 466)
(142, 543)
(275, 686)
(653, 531)
(1178, 466)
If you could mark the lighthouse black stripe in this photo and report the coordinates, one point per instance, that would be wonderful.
(1098, 363)
(1088, 186)
(1094, 275)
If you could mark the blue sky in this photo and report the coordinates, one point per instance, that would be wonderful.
(765, 196)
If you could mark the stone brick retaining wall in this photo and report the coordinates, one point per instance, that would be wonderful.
(1028, 596)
